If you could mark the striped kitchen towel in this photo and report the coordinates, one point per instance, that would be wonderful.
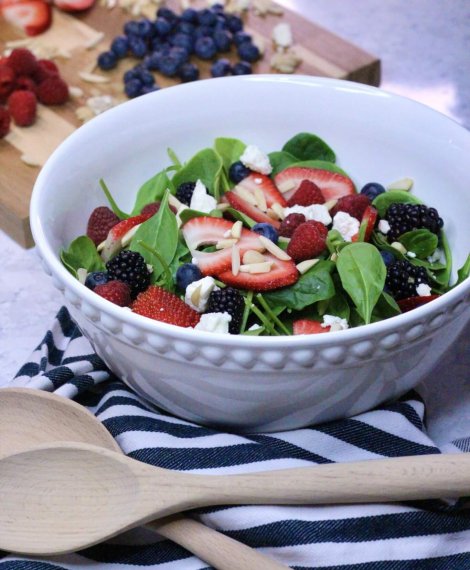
(430, 535)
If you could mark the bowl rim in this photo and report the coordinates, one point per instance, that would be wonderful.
(51, 258)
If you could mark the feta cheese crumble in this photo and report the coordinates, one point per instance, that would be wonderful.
(198, 292)
(255, 159)
(384, 227)
(201, 200)
(346, 225)
(317, 212)
(423, 290)
(411, 254)
(336, 323)
(214, 322)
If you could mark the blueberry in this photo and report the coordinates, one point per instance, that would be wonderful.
(234, 23)
(133, 88)
(222, 40)
(388, 257)
(205, 48)
(146, 28)
(206, 17)
(204, 31)
(217, 8)
(169, 65)
(248, 52)
(185, 28)
(131, 28)
(189, 15)
(149, 89)
(372, 190)
(186, 274)
(120, 46)
(133, 73)
(146, 78)
(266, 230)
(238, 171)
(96, 278)
(168, 14)
(183, 40)
(241, 37)
(162, 26)
(158, 43)
(180, 54)
(107, 60)
(221, 68)
(188, 72)
(137, 46)
(242, 68)
(152, 61)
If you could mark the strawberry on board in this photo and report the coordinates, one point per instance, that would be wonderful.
(73, 5)
(31, 16)
(308, 326)
(411, 303)
(254, 196)
(113, 242)
(368, 223)
(332, 184)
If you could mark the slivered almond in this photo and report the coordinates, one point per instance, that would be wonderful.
(252, 256)
(222, 207)
(272, 214)
(334, 256)
(260, 199)
(274, 249)
(284, 239)
(196, 296)
(227, 234)
(93, 77)
(399, 247)
(264, 267)
(126, 238)
(81, 275)
(279, 210)
(235, 259)
(93, 42)
(330, 204)
(224, 243)
(246, 195)
(286, 186)
(100, 246)
(236, 230)
(304, 266)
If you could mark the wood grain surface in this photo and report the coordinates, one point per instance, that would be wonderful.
(323, 53)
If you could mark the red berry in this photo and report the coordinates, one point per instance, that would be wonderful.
(25, 83)
(411, 303)
(22, 106)
(307, 241)
(161, 305)
(290, 223)
(102, 219)
(4, 122)
(354, 205)
(117, 292)
(307, 194)
(46, 68)
(22, 61)
(309, 326)
(152, 208)
(7, 81)
(53, 91)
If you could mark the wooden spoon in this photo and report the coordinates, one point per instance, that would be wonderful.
(29, 418)
(65, 497)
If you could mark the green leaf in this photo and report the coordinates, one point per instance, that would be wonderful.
(314, 285)
(151, 191)
(229, 150)
(114, 207)
(188, 214)
(174, 159)
(362, 273)
(335, 241)
(81, 253)
(160, 232)
(384, 200)
(441, 277)
(337, 306)
(421, 242)
(206, 166)
(385, 308)
(182, 255)
(307, 146)
(463, 272)
(246, 220)
(280, 160)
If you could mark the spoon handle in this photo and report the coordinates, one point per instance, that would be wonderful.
(397, 479)
(218, 550)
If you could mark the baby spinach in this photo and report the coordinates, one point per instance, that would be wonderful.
(206, 166)
(463, 272)
(307, 146)
(385, 308)
(114, 207)
(182, 255)
(174, 158)
(337, 305)
(386, 199)
(314, 285)
(362, 273)
(422, 242)
(188, 214)
(280, 160)
(246, 220)
(441, 277)
(151, 191)
(82, 253)
(229, 150)
(160, 232)
(335, 241)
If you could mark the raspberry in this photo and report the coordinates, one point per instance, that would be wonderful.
(22, 106)
(130, 267)
(353, 204)
(115, 291)
(25, 83)
(53, 91)
(307, 194)
(290, 223)
(403, 278)
(102, 219)
(152, 208)
(308, 241)
(161, 305)
(4, 122)
(22, 61)
(230, 301)
(46, 68)
(7, 81)
(407, 217)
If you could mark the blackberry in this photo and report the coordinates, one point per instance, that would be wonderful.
(184, 192)
(407, 217)
(403, 278)
(129, 267)
(230, 301)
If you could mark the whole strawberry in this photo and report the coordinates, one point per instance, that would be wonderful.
(161, 305)
(115, 291)
(353, 204)
(22, 106)
(53, 91)
(308, 241)
(4, 122)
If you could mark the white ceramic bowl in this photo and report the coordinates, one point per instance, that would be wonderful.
(256, 383)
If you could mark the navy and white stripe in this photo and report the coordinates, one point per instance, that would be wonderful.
(431, 535)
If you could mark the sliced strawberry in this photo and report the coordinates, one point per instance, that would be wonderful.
(368, 220)
(73, 5)
(249, 209)
(331, 184)
(309, 326)
(32, 16)
(411, 303)
(208, 231)
(113, 242)
(282, 274)
(266, 185)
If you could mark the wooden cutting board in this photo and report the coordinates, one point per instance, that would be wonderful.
(323, 54)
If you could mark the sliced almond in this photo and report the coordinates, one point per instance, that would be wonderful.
(236, 230)
(222, 206)
(284, 239)
(227, 234)
(285, 186)
(272, 214)
(264, 267)
(274, 249)
(224, 243)
(246, 195)
(235, 259)
(100, 246)
(330, 204)
(82, 274)
(260, 199)
(126, 238)
(252, 256)
(93, 77)
(196, 296)
(399, 247)
(173, 201)
(279, 210)
(304, 266)
(334, 256)
(93, 42)
(404, 184)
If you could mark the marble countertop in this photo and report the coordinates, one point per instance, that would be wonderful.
(424, 53)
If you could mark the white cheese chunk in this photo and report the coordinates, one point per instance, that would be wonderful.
(384, 227)
(336, 323)
(317, 212)
(214, 322)
(198, 292)
(423, 290)
(255, 159)
(201, 200)
(346, 225)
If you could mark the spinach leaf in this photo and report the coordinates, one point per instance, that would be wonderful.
(307, 146)
(421, 242)
(160, 232)
(246, 220)
(441, 277)
(386, 199)
(188, 214)
(335, 241)
(362, 272)
(174, 158)
(206, 166)
(151, 191)
(81, 253)
(114, 207)
(280, 160)
(314, 285)
(337, 306)
(463, 272)
(230, 150)
(385, 308)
